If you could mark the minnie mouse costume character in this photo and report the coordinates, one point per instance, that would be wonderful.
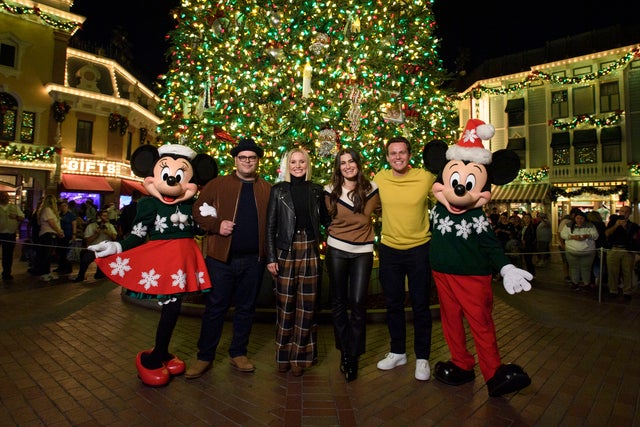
(161, 259)
(465, 252)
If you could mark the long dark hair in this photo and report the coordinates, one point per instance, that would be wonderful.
(358, 194)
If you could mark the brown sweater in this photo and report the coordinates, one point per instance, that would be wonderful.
(349, 231)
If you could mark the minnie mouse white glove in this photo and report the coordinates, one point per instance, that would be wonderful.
(104, 249)
(208, 210)
(515, 279)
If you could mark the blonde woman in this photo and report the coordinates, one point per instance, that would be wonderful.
(294, 216)
(50, 231)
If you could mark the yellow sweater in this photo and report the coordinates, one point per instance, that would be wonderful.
(405, 209)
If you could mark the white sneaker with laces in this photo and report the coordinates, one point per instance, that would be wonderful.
(391, 360)
(423, 370)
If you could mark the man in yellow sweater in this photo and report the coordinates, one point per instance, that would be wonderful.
(404, 254)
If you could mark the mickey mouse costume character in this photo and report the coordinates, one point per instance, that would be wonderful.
(161, 259)
(465, 252)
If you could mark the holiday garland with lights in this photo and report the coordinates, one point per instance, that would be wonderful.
(49, 19)
(319, 75)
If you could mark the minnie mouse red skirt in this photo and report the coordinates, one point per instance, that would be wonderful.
(159, 267)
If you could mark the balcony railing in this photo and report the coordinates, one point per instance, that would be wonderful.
(589, 172)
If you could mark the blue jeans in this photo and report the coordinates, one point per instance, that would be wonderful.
(237, 281)
(412, 264)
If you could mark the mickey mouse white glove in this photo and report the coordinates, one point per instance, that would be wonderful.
(208, 210)
(515, 279)
(104, 249)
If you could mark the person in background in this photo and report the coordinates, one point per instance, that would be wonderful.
(113, 213)
(351, 200)
(580, 245)
(404, 255)
(513, 249)
(50, 232)
(601, 242)
(96, 232)
(295, 215)
(528, 234)
(504, 229)
(544, 235)
(622, 236)
(10, 219)
(232, 210)
(68, 221)
(565, 221)
(128, 214)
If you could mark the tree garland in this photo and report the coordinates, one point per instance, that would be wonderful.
(621, 190)
(32, 154)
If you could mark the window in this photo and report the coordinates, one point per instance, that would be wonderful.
(84, 136)
(27, 126)
(559, 104)
(561, 148)
(583, 101)
(585, 146)
(7, 55)
(609, 97)
(8, 117)
(611, 142)
(515, 112)
(518, 145)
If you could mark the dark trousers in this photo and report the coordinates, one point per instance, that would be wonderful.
(44, 250)
(349, 275)
(412, 264)
(8, 241)
(86, 258)
(64, 265)
(237, 282)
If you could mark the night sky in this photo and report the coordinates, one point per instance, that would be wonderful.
(484, 30)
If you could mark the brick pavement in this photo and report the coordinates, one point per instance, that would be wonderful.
(67, 359)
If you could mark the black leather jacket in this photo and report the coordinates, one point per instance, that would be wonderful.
(281, 217)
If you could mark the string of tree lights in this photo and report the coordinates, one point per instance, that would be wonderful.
(313, 74)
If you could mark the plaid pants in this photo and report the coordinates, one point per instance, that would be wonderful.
(296, 291)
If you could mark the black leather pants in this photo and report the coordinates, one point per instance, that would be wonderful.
(349, 275)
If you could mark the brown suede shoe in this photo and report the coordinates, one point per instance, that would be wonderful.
(242, 364)
(196, 369)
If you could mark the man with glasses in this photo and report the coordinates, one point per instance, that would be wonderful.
(232, 209)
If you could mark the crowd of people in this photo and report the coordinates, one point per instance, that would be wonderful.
(580, 235)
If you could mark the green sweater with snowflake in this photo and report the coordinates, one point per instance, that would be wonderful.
(464, 244)
(158, 221)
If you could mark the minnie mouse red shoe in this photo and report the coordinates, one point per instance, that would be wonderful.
(152, 377)
(175, 366)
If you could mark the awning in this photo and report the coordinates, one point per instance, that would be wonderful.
(585, 137)
(85, 183)
(127, 186)
(612, 135)
(559, 139)
(520, 193)
(514, 105)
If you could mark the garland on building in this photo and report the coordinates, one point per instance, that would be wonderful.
(533, 177)
(587, 119)
(621, 190)
(23, 154)
(49, 19)
(536, 75)
(60, 109)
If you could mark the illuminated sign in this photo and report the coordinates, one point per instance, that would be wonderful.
(96, 167)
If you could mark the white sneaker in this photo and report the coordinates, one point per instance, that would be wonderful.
(391, 360)
(423, 371)
(46, 278)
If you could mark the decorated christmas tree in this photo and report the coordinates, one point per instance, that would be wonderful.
(319, 75)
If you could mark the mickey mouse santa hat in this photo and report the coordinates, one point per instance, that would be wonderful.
(469, 147)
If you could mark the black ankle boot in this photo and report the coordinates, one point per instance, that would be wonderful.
(351, 372)
(344, 362)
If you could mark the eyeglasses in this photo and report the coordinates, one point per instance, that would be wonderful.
(249, 159)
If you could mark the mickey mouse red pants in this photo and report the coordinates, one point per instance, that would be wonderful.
(471, 297)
